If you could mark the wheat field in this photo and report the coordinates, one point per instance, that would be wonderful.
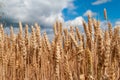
(71, 55)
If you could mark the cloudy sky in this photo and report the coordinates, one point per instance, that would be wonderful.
(46, 12)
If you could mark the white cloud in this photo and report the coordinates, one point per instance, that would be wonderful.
(42, 11)
(71, 9)
(75, 22)
(45, 12)
(104, 25)
(98, 2)
(117, 23)
(71, 6)
(90, 13)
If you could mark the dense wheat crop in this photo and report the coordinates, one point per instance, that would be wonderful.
(71, 55)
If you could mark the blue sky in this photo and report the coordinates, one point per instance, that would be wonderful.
(81, 6)
(46, 12)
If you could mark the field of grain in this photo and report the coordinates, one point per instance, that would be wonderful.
(71, 55)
